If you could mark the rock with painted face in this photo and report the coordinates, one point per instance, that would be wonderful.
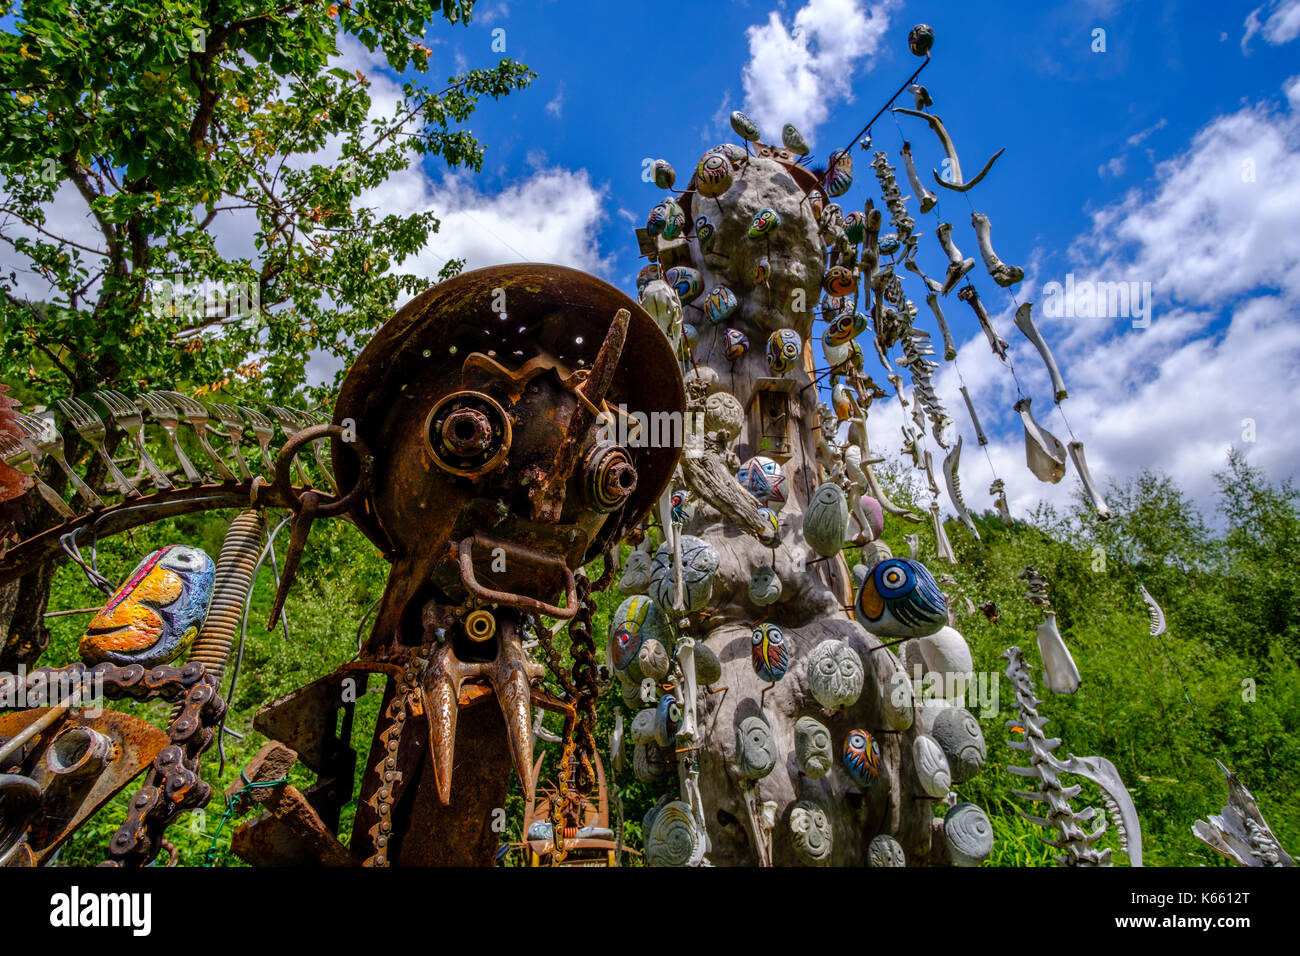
(855, 227)
(812, 747)
(686, 282)
(826, 519)
(719, 304)
(764, 585)
(839, 281)
(861, 757)
(643, 727)
(764, 224)
(784, 347)
(839, 173)
(835, 675)
(884, 850)
(843, 328)
(768, 652)
(713, 175)
(699, 564)
(958, 732)
(664, 174)
(737, 344)
(632, 622)
(900, 598)
(704, 233)
(932, 771)
(967, 835)
(744, 126)
(920, 39)
(810, 833)
(755, 748)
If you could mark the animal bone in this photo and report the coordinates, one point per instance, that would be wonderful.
(996, 342)
(1156, 615)
(686, 661)
(1239, 833)
(958, 184)
(1044, 453)
(953, 481)
(1090, 486)
(1025, 323)
(942, 544)
(998, 491)
(957, 266)
(949, 347)
(920, 96)
(1003, 274)
(1059, 669)
(928, 199)
(975, 419)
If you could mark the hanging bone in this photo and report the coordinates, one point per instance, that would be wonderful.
(1154, 612)
(975, 419)
(957, 266)
(1003, 274)
(949, 347)
(955, 181)
(1025, 323)
(1089, 486)
(996, 342)
(999, 492)
(927, 198)
(953, 481)
(941, 542)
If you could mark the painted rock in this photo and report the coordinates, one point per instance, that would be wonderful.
(764, 479)
(674, 223)
(690, 338)
(889, 244)
(844, 327)
(812, 747)
(764, 224)
(664, 306)
(958, 732)
(724, 413)
(835, 355)
(708, 668)
(704, 233)
(664, 174)
(636, 574)
(768, 652)
(810, 833)
(932, 771)
(733, 152)
(884, 850)
(901, 599)
(685, 281)
(967, 835)
(793, 140)
(737, 344)
(772, 523)
(764, 585)
(668, 719)
(755, 748)
(835, 675)
(647, 275)
(861, 757)
(719, 304)
(896, 700)
(713, 175)
(783, 350)
(699, 563)
(650, 763)
(920, 39)
(842, 402)
(636, 619)
(875, 516)
(855, 227)
(744, 126)
(680, 505)
(826, 520)
(156, 613)
(673, 837)
(839, 173)
(658, 218)
(839, 281)
(762, 270)
(651, 661)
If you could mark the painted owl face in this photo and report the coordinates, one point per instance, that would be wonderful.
(812, 747)
(737, 344)
(764, 223)
(861, 757)
(889, 244)
(704, 233)
(772, 524)
(156, 613)
(633, 621)
(900, 598)
(783, 349)
(647, 275)
(721, 302)
(685, 281)
(713, 175)
(745, 127)
(768, 652)
(855, 227)
(664, 174)
(755, 748)
(810, 832)
(835, 675)
(844, 327)
(679, 499)
(839, 281)
(668, 719)
(839, 173)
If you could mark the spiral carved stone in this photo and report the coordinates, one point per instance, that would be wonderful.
(967, 835)
(673, 836)
(931, 767)
(755, 748)
(810, 833)
(835, 674)
(958, 732)
(885, 851)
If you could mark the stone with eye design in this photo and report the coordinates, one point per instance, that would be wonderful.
(668, 718)
(664, 174)
(755, 748)
(958, 733)
(745, 127)
(737, 344)
(839, 173)
(826, 520)
(810, 833)
(884, 850)
(812, 747)
(699, 564)
(967, 835)
(764, 585)
(784, 348)
(651, 661)
(764, 223)
(768, 653)
(835, 675)
(713, 175)
(635, 620)
(861, 757)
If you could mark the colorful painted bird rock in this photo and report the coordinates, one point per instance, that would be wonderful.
(737, 344)
(812, 747)
(755, 748)
(855, 227)
(835, 675)
(157, 613)
(647, 275)
(844, 328)
(764, 585)
(793, 140)
(699, 564)
(764, 479)
(772, 522)
(686, 282)
(826, 519)
(744, 126)
(889, 244)
(764, 223)
(664, 174)
(900, 598)
(768, 652)
(704, 233)
(679, 498)
(658, 219)
(920, 39)
(783, 350)
(842, 402)
(668, 719)
(839, 281)
(839, 173)
(720, 303)
(713, 175)
(762, 271)
(861, 757)
(635, 620)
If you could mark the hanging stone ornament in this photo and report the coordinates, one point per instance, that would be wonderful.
(659, 299)
(810, 833)
(839, 173)
(667, 721)
(733, 152)
(708, 668)
(855, 227)
(812, 747)
(673, 838)
(861, 757)
(657, 221)
(686, 282)
(897, 701)
(826, 519)
(643, 726)
(884, 850)
(900, 598)
(721, 302)
(704, 233)
(745, 127)
(764, 585)
(678, 503)
(768, 652)
(762, 271)
(635, 620)
(835, 675)
(957, 732)
(675, 224)
(772, 538)
(932, 771)
(699, 564)
(764, 224)
(793, 140)
(764, 479)
(844, 328)
(755, 748)
(967, 835)
(651, 661)
(647, 275)
(737, 344)
(650, 763)
(920, 39)
(839, 281)
(724, 413)
(636, 574)
(690, 338)
(664, 174)
(889, 244)
(875, 516)
(783, 350)
(713, 175)
(842, 402)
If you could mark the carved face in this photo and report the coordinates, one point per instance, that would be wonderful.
(931, 767)
(672, 837)
(764, 585)
(636, 574)
(755, 748)
(768, 652)
(651, 661)
(861, 757)
(685, 282)
(835, 674)
(699, 563)
(812, 746)
(885, 851)
(810, 832)
(897, 701)
(958, 732)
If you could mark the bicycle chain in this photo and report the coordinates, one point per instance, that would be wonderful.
(397, 713)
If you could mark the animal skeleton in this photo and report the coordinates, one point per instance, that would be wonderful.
(957, 183)
(1003, 274)
(1058, 664)
(1239, 833)
(1156, 615)
(998, 490)
(942, 544)
(902, 222)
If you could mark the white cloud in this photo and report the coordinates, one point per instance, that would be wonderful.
(796, 74)
(556, 105)
(1281, 23)
(1113, 167)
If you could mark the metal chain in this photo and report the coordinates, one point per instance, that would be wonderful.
(383, 799)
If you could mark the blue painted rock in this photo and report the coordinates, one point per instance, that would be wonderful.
(635, 620)
(900, 598)
(861, 757)
(783, 350)
(844, 328)
(686, 282)
(744, 126)
(763, 478)
(793, 140)
(839, 173)
(889, 244)
(713, 175)
(768, 652)
(668, 719)
(764, 223)
(721, 302)
(826, 519)
(156, 614)
(675, 223)
(699, 564)
(704, 233)
(737, 344)
(771, 535)
(920, 39)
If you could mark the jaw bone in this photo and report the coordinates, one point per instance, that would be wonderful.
(1090, 486)
(1154, 613)
(953, 481)
(1044, 453)
(957, 266)
(928, 199)
(958, 184)
(1025, 323)
(1003, 274)
(996, 342)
